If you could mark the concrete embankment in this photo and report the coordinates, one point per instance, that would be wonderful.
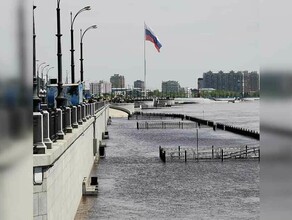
(59, 173)
(117, 113)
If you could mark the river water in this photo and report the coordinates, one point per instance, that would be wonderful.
(135, 184)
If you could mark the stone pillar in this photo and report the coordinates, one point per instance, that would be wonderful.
(88, 111)
(93, 108)
(46, 131)
(74, 117)
(79, 114)
(39, 146)
(60, 132)
(68, 120)
(83, 112)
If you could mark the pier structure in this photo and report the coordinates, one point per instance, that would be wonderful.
(200, 122)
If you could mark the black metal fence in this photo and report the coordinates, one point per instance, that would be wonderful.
(166, 125)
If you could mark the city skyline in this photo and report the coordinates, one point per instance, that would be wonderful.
(194, 86)
(195, 38)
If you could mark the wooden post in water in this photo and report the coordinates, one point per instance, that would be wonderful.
(222, 155)
(138, 125)
(185, 155)
(178, 152)
(259, 152)
(212, 152)
(246, 151)
(197, 144)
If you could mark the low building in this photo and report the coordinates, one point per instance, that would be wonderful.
(139, 84)
(170, 87)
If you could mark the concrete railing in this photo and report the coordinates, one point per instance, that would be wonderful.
(53, 124)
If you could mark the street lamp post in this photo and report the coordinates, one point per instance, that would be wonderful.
(43, 75)
(47, 75)
(36, 99)
(60, 98)
(38, 76)
(87, 8)
(81, 50)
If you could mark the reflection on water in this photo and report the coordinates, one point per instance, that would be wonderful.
(135, 184)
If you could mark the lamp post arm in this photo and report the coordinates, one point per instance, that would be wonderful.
(87, 8)
(82, 35)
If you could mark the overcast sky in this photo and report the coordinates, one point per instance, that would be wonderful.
(196, 36)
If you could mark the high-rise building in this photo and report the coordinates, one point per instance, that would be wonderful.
(242, 81)
(117, 81)
(200, 83)
(93, 88)
(139, 84)
(100, 88)
(104, 87)
(169, 87)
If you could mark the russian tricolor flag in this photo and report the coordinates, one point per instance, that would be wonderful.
(150, 36)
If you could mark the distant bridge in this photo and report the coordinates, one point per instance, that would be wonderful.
(124, 107)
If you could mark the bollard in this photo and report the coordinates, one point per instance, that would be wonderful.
(179, 152)
(46, 130)
(68, 120)
(138, 125)
(74, 117)
(185, 155)
(40, 147)
(60, 132)
(101, 151)
(212, 152)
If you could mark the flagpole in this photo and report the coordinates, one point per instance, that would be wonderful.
(145, 93)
